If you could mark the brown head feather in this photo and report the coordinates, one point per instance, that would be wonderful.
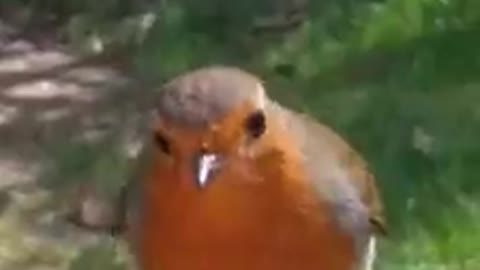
(204, 95)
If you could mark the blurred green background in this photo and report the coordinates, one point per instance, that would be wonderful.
(398, 78)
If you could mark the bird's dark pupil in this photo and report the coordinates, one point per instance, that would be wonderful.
(255, 124)
(162, 143)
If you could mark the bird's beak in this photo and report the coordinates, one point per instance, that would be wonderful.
(206, 165)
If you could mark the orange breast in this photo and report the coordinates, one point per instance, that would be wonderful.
(243, 220)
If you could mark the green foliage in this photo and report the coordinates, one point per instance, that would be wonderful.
(99, 257)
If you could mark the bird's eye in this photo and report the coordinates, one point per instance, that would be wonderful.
(255, 124)
(162, 143)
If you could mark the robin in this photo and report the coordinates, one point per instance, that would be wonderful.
(230, 179)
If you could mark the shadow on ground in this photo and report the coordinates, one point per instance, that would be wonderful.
(58, 111)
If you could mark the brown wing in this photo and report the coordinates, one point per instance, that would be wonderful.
(337, 171)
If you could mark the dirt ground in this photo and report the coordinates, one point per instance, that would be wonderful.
(50, 99)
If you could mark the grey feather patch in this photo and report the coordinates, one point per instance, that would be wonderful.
(201, 96)
(332, 182)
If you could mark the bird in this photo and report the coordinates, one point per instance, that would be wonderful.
(229, 178)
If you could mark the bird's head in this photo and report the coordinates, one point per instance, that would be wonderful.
(207, 120)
